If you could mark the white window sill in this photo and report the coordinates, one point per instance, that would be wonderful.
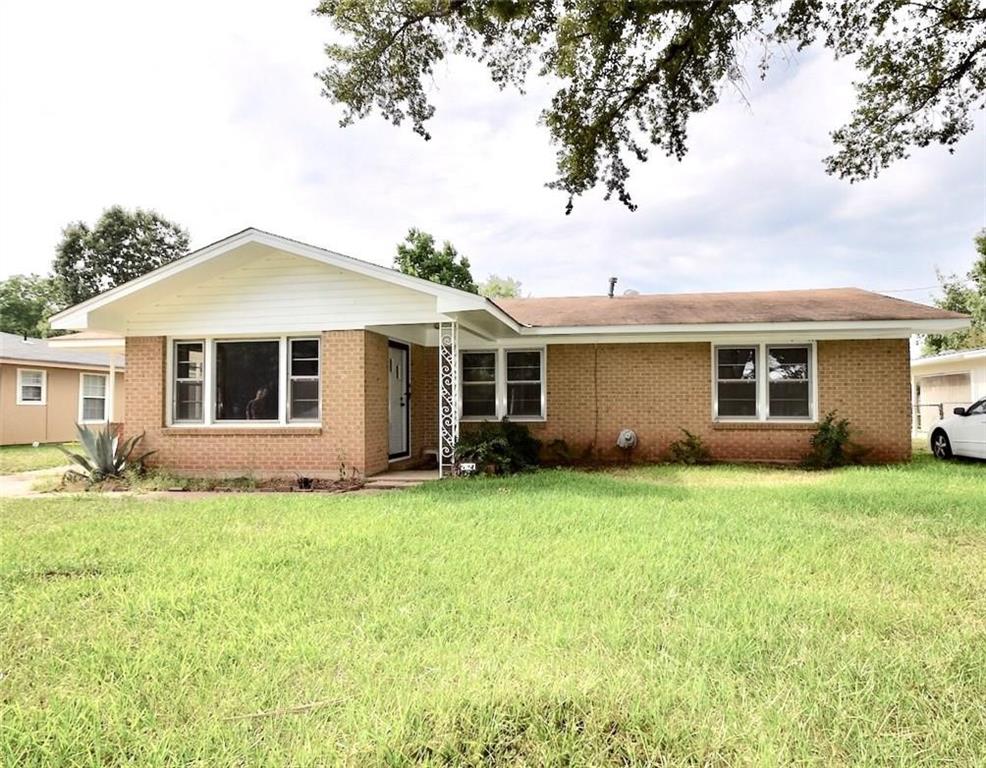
(513, 419)
(31, 402)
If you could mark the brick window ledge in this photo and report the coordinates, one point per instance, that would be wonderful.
(258, 431)
(764, 426)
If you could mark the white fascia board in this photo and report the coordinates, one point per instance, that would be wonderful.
(906, 327)
(77, 316)
(971, 354)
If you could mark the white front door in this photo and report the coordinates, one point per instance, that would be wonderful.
(398, 396)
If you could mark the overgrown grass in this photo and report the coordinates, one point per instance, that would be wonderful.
(659, 616)
(22, 458)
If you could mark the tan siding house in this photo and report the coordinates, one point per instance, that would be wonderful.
(45, 392)
(261, 354)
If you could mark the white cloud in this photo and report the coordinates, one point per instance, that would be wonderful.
(210, 113)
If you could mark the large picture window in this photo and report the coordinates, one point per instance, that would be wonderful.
(757, 382)
(92, 398)
(503, 383)
(247, 380)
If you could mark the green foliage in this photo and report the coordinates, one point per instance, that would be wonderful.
(26, 303)
(832, 446)
(966, 295)
(631, 75)
(104, 454)
(123, 245)
(499, 447)
(688, 450)
(420, 257)
(496, 287)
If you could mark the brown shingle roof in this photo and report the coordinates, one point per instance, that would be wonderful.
(829, 304)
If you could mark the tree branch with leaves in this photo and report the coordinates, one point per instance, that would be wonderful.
(633, 73)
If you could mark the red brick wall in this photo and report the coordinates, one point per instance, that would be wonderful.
(594, 391)
(341, 440)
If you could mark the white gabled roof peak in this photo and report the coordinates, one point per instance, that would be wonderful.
(456, 299)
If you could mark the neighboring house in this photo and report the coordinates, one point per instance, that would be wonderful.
(942, 382)
(45, 391)
(262, 354)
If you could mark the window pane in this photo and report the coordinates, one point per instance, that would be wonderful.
(188, 401)
(737, 398)
(304, 357)
(247, 380)
(739, 363)
(188, 360)
(93, 409)
(93, 386)
(523, 366)
(479, 400)
(304, 399)
(31, 393)
(788, 363)
(32, 378)
(523, 399)
(479, 366)
(789, 398)
(304, 367)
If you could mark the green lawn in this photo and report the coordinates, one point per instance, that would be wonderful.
(21, 458)
(662, 616)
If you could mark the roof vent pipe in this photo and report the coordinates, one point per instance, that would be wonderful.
(612, 286)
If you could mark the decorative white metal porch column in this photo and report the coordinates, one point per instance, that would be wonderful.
(448, 396)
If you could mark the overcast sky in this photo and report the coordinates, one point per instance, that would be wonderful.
(210, 113)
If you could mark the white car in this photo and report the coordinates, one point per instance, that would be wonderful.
(962, 434)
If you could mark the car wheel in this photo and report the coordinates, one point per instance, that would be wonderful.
(940, 445)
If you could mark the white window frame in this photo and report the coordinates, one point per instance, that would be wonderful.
(500, 379)
(173, 380)
(317, 378)
(20, 386)
(82, 397)
(763, 382)
(209, 420)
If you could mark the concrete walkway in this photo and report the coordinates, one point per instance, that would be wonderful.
(21, 484)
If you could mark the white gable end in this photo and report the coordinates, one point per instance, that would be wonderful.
(281, 292)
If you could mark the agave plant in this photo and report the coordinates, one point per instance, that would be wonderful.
(105, 456)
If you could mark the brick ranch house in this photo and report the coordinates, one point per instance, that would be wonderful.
(262, 354)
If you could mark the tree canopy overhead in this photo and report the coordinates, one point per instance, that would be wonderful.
(123, 245)
(633, 72)
(419, 256)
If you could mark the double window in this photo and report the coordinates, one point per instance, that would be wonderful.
(31, 386)
(764, 381)
(503, 383)
(246, 380)
(92, 398)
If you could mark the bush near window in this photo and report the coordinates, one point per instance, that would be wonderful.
(689, 450)
(104, 455)
(832, 445)
(500, 448)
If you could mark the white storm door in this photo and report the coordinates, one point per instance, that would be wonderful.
(398, 396)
